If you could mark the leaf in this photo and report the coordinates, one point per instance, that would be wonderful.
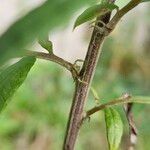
(38, 22)
(46, 44)
(114, 128)
(94, 11)
(12, 77)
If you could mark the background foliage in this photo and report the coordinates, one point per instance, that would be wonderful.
(37, 115)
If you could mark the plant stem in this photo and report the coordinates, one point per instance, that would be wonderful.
(88, 71)
(82, 88)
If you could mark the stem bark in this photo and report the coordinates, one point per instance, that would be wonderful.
(82, 88)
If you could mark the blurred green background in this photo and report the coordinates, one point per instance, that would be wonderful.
(36, 117)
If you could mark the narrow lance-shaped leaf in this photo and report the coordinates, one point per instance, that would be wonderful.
(12, 77)
(94, 11)
(114, 128)
(38, 22)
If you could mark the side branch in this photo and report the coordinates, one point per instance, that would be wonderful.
(52, 57)
(122, 100)
(117, 17)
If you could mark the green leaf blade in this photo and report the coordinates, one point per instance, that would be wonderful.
(114, 128)
(87, 15)
(12, 78)
(93, 12)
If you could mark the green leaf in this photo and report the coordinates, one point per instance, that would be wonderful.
(12, 77)
(114, 128)
(94, 11)
(38, 22)
(46, 44)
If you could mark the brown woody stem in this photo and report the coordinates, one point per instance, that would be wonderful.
(82, 89)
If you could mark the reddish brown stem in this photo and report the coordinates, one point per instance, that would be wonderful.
(82, 88)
